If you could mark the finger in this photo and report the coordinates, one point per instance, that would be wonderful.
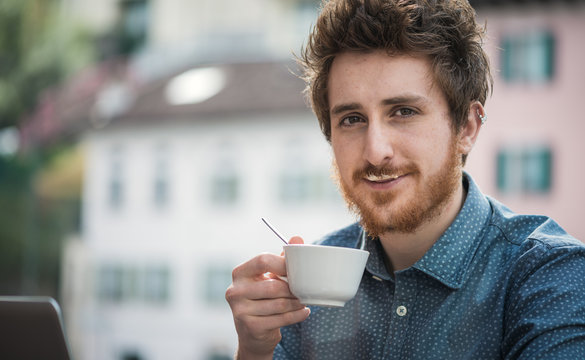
(240, 292)
(273, 306)
(277, 321)
(296, 240)
(268, 289)
(260, 265)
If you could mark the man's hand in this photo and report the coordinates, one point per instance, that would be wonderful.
(261, 303)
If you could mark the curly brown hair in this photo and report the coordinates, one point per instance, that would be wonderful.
(444, 30)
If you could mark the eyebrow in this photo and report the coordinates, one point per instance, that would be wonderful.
(338, 109)
(403, 99)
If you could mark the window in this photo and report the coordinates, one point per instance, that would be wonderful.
(524, 170)
(133, 25)
(295, 185)
(225, 186)
(156, 284)
(304, 179)
(115, 182)
(225, 176)
(117, 283)
(217, 280)
(110, 284)
(161, 191)
(161, 177)
(528, 57)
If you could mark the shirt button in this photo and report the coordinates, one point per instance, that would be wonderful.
(401, 310)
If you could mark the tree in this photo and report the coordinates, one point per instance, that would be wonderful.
(39, 49)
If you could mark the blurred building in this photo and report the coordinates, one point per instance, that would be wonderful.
(191, 141)
(529, 153)
(204, 130)
(174, 193)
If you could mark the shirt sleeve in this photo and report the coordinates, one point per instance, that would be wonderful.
(545, 309)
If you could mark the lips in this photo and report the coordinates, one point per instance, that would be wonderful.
(381, 178)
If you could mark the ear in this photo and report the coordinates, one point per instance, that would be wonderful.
(469, 132)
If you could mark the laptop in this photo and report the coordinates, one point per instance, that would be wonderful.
(31, 328)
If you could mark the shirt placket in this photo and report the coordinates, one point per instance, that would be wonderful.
(401, 311)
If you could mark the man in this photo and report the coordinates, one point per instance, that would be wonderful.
(398, 87)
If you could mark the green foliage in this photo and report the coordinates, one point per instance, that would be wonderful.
(13, 198)
(38, 49)
(32, 227)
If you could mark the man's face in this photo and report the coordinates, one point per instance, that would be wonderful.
(395, 152)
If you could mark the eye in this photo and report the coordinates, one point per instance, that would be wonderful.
(350, 120)
(405, 112)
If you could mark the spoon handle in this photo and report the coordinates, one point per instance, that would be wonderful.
(274, 231)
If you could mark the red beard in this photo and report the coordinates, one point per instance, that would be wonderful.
(373, 208)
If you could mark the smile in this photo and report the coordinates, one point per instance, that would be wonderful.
(381, 178)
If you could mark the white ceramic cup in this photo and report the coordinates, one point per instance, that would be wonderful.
(324, 275)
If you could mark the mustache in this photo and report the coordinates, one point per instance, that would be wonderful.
(372, 170)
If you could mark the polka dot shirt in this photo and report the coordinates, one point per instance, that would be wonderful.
(496, 285)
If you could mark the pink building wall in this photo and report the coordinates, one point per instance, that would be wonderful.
(551, 113)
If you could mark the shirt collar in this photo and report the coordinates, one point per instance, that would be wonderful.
(448, 259)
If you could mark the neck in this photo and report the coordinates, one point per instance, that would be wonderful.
(404, 249)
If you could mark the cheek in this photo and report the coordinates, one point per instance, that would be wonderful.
(342, 155)
(432, 149)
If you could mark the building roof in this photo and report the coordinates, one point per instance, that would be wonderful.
(247, 87)
(112, 93)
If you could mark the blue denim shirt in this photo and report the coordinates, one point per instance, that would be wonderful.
(496, 285)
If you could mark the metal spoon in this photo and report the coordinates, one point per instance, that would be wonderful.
(274, 231)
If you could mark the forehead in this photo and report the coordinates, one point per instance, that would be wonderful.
(376, 74)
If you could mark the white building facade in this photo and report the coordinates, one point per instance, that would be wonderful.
(173, 203)
(173, 198)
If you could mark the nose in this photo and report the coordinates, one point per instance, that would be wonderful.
(378, 147)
